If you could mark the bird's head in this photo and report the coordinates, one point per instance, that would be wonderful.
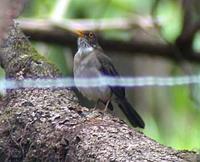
(87, 39)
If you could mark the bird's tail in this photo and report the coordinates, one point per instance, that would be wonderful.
(133, 117)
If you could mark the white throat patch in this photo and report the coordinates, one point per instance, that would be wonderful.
(86, 50)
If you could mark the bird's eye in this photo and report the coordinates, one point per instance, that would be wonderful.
(91, 35)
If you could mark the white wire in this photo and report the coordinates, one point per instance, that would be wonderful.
(94, 82)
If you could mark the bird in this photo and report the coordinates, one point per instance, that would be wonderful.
(90, 61)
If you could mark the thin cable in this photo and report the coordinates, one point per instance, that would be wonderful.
(103, 81)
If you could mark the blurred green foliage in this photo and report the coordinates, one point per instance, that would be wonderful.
(182, 130)
(39, 9)
(170, 11)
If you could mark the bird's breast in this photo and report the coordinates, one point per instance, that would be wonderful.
(83, 71)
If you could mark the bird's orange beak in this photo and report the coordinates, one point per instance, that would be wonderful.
(79, 33)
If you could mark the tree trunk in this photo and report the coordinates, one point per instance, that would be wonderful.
(49, 124)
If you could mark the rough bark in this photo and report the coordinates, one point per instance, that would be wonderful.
(50, 125)
(9, 10)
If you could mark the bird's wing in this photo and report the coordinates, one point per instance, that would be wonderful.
(106, 67)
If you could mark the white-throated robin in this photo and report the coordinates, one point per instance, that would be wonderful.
(91, 62)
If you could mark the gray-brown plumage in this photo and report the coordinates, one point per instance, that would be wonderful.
(91, 62)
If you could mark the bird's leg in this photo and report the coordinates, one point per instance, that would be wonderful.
(96, 105)
(106, 106)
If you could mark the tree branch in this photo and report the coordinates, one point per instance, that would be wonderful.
(50, 125)
(50, 32)
(189, 28)
(8, 11)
